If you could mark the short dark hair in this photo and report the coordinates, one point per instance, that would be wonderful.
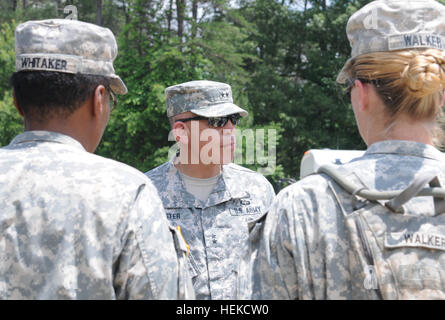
(43, 94)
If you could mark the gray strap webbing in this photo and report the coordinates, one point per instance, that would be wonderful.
(398, 197)
(411, 191)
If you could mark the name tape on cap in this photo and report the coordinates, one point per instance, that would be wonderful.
(416, 40)
(69, 64)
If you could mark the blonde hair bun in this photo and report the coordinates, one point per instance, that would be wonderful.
(424, 73)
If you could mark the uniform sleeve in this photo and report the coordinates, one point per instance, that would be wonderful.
(269, 255)
(149, 266)
(278, 250)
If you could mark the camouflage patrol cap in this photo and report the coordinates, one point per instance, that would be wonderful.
(202, 97)
(69, 46)
(389, 25)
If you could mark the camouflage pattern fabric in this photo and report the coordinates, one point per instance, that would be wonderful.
(302, 249)
(202, 97)
(389, 25)
(216, 230)
(74, 225)
(70, 46)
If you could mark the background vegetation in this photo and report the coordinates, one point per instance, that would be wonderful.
(281, 58)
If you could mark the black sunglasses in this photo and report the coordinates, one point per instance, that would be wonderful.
(216, 122)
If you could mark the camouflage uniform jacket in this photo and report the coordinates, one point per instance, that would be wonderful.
(216, 230)
(301, 249)
(74, 225)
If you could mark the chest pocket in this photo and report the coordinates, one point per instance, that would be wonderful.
(402, 254)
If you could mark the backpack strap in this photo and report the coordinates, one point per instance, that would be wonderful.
(430, 178)
(397, 198)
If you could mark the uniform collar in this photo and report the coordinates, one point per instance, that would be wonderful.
(406, 148)
(225, 189)
(46, 136)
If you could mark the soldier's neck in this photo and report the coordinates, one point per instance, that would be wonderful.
(73, 128)
(402, 128)
(200, 171)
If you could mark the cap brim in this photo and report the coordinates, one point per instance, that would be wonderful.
(220, 110)
(342, 76)
(117, 85)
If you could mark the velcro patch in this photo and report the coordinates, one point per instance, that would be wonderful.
(416, 40)
(415, 239)
(60, 63)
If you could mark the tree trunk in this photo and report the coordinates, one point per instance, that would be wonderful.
(195, 18)
(24, 4)
(169, 17)
(58, 7)
(323, 44)
(14, 5)
(180, 10)
(99, 12)
(125, 10)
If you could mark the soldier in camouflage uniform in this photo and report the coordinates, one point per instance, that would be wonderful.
(74, 225)
(319, 241)
(211, 201)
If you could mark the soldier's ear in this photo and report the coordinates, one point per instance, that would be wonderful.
(99, 101)
(16, 104)
(180, 132)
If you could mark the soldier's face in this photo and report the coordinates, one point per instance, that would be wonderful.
(216, 145)
(209, 144)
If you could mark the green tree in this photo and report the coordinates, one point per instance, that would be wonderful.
(11, 123)
(300, 50)
(7, 55)
(150, 59)
(281, 58)
(153, 57)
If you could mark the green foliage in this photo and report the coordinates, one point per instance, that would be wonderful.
(11, 123)
(137, 133)
(293, 83)
(150, 60)
(7, 55)
(257, 149)
(280, 57)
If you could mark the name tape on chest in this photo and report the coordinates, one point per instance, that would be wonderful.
(415, 239)
(173, 216)
(240, 207)
(416, 40)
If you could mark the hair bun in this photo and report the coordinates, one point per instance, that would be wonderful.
(424, 74)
